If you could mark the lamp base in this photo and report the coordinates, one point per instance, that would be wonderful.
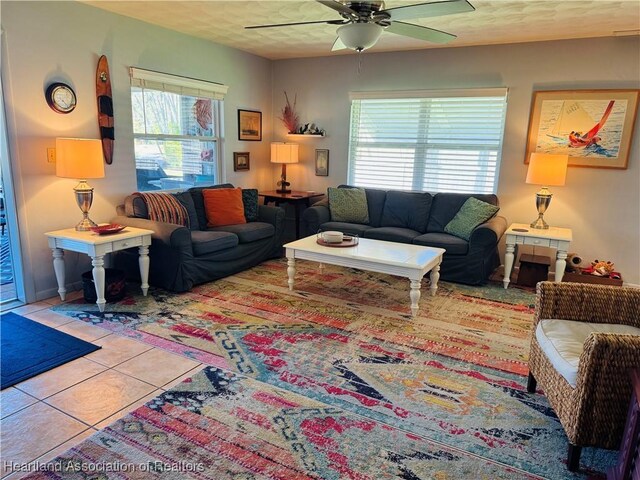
(85, 225)
(284, 190)
(539, 223)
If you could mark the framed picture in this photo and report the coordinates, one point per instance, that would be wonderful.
(593, 127)
(240, 161)
(322, 163)
(249, 125)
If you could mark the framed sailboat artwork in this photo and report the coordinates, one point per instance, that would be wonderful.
(593, 127)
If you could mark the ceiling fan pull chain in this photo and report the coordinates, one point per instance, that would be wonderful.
(359, 63)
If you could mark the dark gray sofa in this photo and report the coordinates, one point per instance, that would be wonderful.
(182, 257)
(420, 218)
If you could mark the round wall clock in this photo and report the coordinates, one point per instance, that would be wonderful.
(60, 97)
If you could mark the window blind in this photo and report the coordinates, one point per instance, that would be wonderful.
(444, 141)
(176, 84)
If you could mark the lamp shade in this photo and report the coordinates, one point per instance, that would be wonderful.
(359, 36)
(284, 152)
(79, 158)
(547, 169)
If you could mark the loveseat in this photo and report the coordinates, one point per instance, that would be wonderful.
(183, 256)
(420, 218)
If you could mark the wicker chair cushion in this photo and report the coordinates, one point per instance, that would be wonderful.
(562, 342)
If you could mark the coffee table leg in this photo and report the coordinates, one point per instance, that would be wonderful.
(414, 294)
(99, 280)
(291, 271)
(58, 268)
(143, 264)
(434, 277)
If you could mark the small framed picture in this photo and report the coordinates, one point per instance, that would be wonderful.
(240, 161)
(322, 163)
(249, 125)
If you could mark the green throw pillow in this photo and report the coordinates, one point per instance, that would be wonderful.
(472, 213)
(348, 205)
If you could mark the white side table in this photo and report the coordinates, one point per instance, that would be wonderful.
(97, 246)
(523, 234)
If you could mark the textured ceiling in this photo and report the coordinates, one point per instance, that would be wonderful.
(493, 22)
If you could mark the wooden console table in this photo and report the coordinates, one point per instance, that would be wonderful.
(297, 199)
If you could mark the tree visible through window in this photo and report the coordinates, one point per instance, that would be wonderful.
(428, 141)
(176, 138)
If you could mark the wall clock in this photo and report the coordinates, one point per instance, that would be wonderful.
(61, 97)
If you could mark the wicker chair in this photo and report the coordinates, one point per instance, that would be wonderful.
(593, 412)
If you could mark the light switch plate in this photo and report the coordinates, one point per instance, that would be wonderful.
(51, 155)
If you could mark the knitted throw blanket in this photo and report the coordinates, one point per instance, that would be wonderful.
(165, 207)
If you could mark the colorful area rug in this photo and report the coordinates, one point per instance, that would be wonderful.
(448, 386)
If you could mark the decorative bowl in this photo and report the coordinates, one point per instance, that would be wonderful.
(107, 229)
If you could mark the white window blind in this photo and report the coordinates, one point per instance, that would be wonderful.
(436, 141)
(177, 130)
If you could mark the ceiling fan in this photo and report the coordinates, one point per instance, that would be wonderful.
(362, 23)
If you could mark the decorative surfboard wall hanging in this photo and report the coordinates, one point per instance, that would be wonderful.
(105, 108)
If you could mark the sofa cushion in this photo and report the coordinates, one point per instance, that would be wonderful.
(350, 228)
(250, 202)
(248, 232)
(406, 210)
(445, 206)
(562, 342)
(223, 206)
(472, 213)
(348, 205)
(453, 245)
(198, 202)
(392, 234)
(209, 242)
(186, 200)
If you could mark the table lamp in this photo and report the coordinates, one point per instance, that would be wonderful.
(545, 169)
(80, 158)
(284, 153)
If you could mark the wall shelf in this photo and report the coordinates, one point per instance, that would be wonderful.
(310, 135)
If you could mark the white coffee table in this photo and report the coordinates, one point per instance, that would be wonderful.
(411, 261)
(97, 246)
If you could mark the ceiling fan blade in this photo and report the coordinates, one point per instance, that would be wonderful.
(330, 22)
(339, 7)
(338, 45)
(433, 9)
(419, 32)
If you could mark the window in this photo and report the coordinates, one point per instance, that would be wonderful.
(177, 130)
(435, 141)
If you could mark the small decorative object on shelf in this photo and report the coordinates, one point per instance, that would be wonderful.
(309, 129)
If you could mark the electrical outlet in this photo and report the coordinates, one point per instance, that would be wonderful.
(51, 155)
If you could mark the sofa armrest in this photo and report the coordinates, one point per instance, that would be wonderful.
(174, 236)
(490, 232)
(270, 214)
(313, 217)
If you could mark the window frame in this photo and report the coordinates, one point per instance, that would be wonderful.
(184, 87)
(420, 148)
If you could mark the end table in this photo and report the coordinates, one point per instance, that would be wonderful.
(97, 246)
(298, 199)
(523, 234)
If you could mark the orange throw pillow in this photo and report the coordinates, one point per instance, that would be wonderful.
(223, 206)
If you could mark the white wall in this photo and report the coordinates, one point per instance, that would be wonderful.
(602, 206)
(62, 41)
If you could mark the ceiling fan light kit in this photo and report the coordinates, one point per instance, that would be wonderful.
(363, 22)
(359, 36)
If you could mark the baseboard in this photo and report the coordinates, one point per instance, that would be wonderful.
(53, 292)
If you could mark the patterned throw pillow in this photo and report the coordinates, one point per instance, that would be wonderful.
(472, 213)
(250, 201)
(348, 205)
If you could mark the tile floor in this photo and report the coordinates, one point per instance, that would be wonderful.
(50, 413)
